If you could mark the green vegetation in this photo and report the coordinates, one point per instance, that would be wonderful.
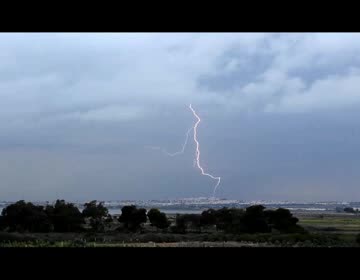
(65, 217)
(132, 218)
(158, 219)
(350, 210)
(22, 216)
(251, 220)
(347, 224)
(98, 216)
(24, 224)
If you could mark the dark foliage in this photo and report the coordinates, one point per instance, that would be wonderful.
(180, 224)
(208, 217)
(95, 210)
(192, 221)
(65, 217)
(253, 220)
(98, 215)
(22, 216)
(349, 210)
(158, 219)
(282, 220)
(132, 217)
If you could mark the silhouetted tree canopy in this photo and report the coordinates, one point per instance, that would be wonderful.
(254, 220)
(180, 224)
(193, 221)
(158, 219)
(65, 217)
(98, 215)
(349, 210)
(132, 217)
(282, 220)
(251, 220)
(229, 220)
(22, 216)
(208, 217)
(95, 210)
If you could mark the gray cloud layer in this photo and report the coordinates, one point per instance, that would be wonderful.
(280, 115)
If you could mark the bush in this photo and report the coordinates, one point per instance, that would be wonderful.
(282, 220)
(208, 217)
(95, 210)
(253, 220)
(22, 216)
(65, 217)
(158, 219)
(180, 225)
(349, 210)
(98, 214)
(185, 222)
(132, 218)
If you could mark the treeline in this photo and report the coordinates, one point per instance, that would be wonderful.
(61, 217)
(66, 217)
(253, 219)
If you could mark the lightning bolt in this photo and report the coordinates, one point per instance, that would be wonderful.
(183, 147)
(197, 154)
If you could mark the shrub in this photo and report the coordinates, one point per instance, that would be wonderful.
(65, 217)
(22, 216)
(158, 219)
(132, 217)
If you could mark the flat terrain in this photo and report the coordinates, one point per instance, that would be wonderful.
(325, 230)
(334, 223)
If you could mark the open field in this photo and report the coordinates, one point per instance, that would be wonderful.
(345, 224)
(326, 230)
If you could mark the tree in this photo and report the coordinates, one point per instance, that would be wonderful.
(349, 210)
(208, 217)
(193, 221)
(283, 220)
(22, 216)
(237, 224)
(2, 223)
(180, 224)
(65, 217)
(223, 218)
(132, 218)
(95, 210)
(158, 219)
(97, 214)
(254, 220)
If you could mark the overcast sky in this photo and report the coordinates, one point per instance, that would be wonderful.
(280, 115)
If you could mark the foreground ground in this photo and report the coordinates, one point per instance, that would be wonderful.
(326, 230)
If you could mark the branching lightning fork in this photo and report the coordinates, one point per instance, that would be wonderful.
(183, 147)
(197, 154)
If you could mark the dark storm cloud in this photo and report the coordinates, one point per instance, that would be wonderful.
(279, 115)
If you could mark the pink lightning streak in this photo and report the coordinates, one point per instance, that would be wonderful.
(198, 152)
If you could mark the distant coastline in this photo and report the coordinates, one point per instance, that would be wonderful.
(197, 205)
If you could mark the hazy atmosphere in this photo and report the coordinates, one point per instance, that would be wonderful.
(280, 115)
